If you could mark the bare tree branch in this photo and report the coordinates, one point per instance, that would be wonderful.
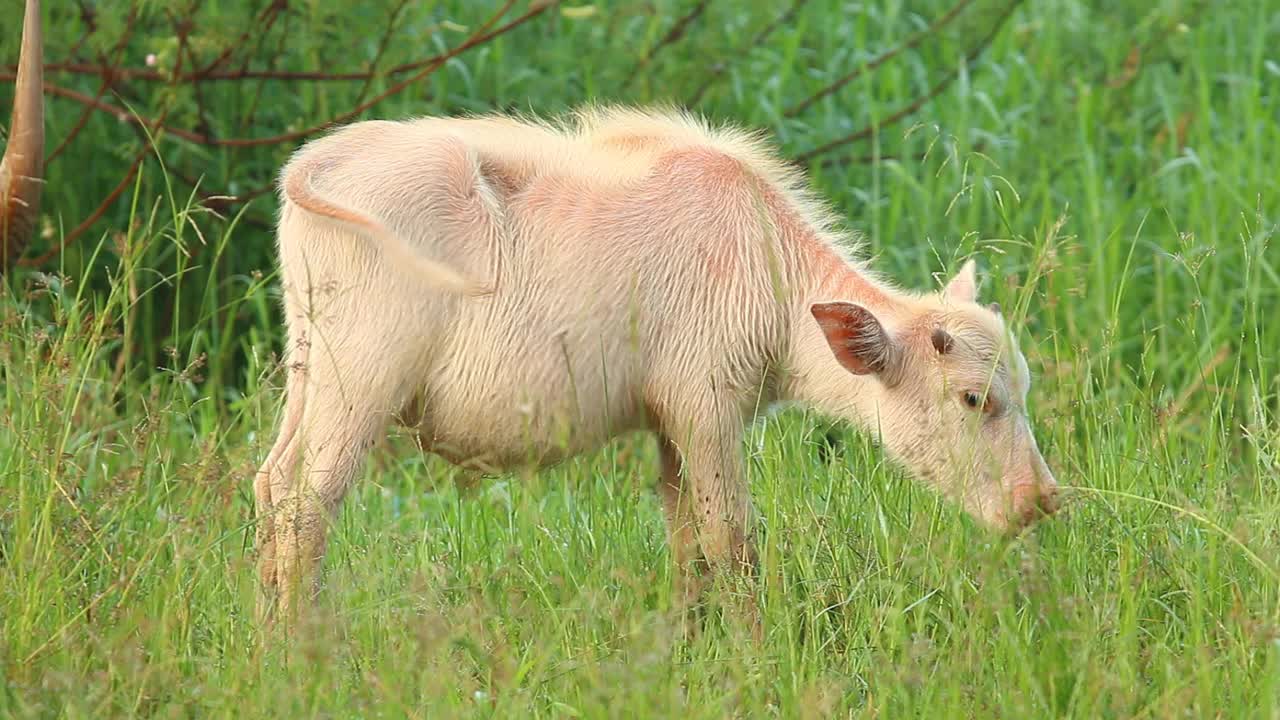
(107, 202)
(757, 41)
(114, 79)
(676, 32)
(483, 35)
(909, 44)
(260, 27)
(383, 44)
(117, 52)
(919, 102)
(244, 73)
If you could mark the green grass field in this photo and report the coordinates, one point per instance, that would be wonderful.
(1112, 165)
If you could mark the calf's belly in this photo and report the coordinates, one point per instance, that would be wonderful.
(503, 418)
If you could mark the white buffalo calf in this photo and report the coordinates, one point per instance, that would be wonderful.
(520, 292)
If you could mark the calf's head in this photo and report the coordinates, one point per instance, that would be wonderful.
(948, 399)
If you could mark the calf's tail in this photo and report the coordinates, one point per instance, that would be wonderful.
(297, 188)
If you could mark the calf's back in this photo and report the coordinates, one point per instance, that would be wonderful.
(638, 265)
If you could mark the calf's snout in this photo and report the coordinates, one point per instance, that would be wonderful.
(1032, 503)
(1034, 500)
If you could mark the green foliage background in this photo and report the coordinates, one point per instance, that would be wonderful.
(1111, 164)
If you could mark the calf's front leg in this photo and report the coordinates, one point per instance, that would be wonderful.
(280, 465)
(714, 472)
(335, 437)
(337, 403)
(682, 523)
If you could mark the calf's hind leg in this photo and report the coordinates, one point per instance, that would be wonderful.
(345, 405)
(281, 463)
(337, 431)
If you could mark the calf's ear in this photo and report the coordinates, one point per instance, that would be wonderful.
(964, 286)
(857, 339)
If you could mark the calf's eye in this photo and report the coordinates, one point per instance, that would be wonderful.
(972, 400)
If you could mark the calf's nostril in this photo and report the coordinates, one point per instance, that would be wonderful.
(1033, 502)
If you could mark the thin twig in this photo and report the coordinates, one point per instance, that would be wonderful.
(916, 104)
(483, 35)
(676, 32)
(80, 123)
(157, 127)
(272, 62)
(182, 31)
(117, 53)
(117, 112)
(383, 44)
(883, 58)
(260, 26)
(97, 214)
(244, 73)
(80, 68)
(1147, 50)
(88, 16)
(759, 39)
